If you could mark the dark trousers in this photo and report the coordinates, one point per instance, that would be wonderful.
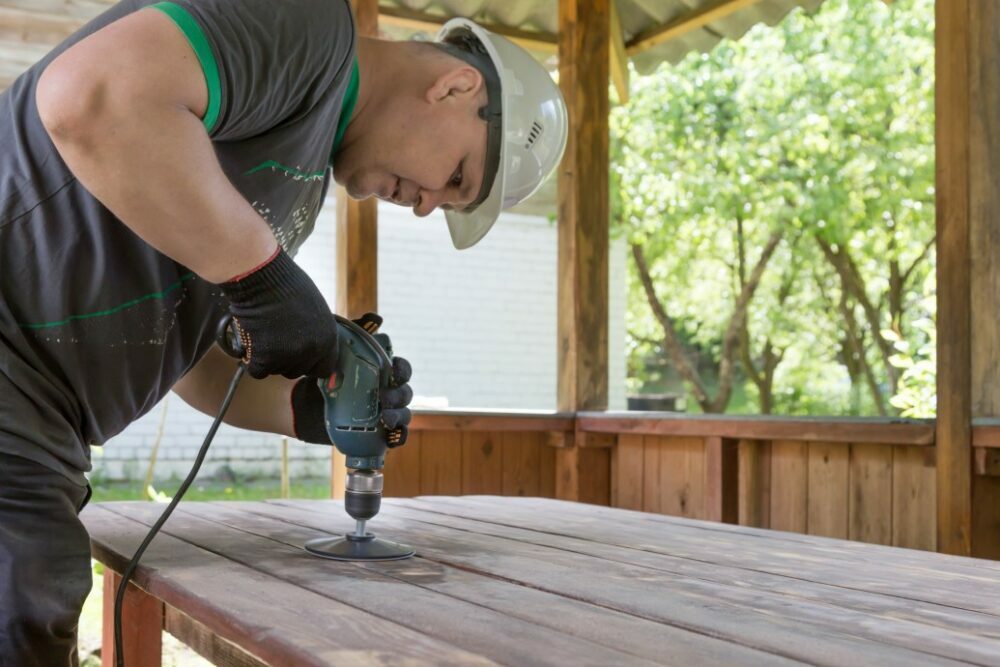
(45, 571)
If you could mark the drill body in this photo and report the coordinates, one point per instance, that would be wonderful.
(353, 415)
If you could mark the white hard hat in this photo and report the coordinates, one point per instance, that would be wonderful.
(527, 126)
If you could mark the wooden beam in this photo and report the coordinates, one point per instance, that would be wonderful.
(417, 20)
(619, 58)
(685, 24)
(984, 248)
(491, 421)
(820, 429)
(953, 136)
(583, 208)
(584, 60)
(357, 245)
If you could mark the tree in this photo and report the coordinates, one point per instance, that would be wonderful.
(777, 196)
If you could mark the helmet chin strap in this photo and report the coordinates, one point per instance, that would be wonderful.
(465, 46)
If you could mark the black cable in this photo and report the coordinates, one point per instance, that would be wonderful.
(127, 575)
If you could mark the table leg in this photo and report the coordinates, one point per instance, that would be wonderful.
(142, 625)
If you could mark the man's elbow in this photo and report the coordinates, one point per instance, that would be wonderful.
(71, 103)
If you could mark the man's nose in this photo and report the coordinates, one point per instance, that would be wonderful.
(429, 200)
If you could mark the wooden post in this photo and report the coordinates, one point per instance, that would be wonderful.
(357, 245)
(142, 625)
(968, 244)
(584, 38)
(984, 244)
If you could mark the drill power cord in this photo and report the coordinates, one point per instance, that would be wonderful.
(130, 570)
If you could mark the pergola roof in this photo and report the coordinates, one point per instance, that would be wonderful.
(646, 31)
(652, 31)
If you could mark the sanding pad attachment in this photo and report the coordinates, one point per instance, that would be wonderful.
(353, 547)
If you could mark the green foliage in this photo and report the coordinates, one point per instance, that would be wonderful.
(917, 394)
(821, 129)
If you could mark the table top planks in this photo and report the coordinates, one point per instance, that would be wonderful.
(531, 581)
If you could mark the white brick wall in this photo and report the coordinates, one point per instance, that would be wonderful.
(479, 327)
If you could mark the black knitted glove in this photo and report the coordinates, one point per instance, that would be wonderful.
(283, 321)
(308, 406)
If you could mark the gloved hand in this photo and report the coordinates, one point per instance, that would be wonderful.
(308, 404)
(283, 321)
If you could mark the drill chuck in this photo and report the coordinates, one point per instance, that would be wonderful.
(363, 493)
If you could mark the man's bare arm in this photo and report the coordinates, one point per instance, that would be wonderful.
(259, 405)
(123, 107)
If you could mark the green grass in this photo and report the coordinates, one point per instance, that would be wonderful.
(258, 489)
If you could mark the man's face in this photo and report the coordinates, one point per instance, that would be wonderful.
(425, 153)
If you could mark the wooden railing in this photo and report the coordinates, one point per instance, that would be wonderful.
(869, 479)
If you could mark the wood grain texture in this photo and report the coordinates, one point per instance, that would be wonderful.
(517, 580)
(521, 465)
(827, 611)
(142, 625)
(871, 494)
(206, 643)
(823, 429)
(583, 474)
(628, 473)
(789, 485)
(650, 474)
(492, 420)
(582, 320)
(402, 470)
(546, 467)
(754, 483)
(501, 620)
(245, 605)
(482, 463)
(913, 498)
(953, 136)
(682, 476)
(441, 463)
(827, 504)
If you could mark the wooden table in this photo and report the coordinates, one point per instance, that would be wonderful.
(523, 581)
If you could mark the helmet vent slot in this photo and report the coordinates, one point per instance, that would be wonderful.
(533, 134)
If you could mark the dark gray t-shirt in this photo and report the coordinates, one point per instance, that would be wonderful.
(95, 325)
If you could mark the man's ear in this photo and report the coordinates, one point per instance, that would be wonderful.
(463, 81)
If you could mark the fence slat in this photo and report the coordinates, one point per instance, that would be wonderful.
(789, 485)
(914, 498)
(521, 462)
(650, 474)
(871, 493)
(402, 469)
(755, 483)
(628, 473)
(827, 494)
(546, 466)
(682, 477)
(482, 463)
(441, 463)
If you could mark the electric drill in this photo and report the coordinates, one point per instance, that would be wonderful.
(353, 413)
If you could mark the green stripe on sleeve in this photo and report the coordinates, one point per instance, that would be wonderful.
(196, 37)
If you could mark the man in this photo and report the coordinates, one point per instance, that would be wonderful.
(158, 170)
